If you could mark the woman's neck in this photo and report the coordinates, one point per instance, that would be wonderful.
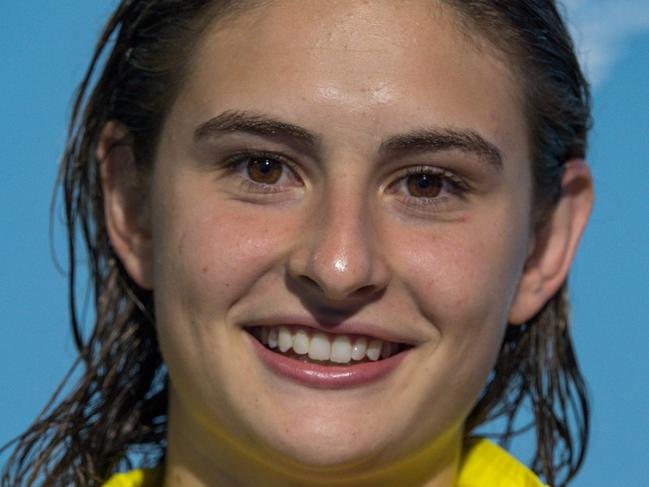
(198, 456)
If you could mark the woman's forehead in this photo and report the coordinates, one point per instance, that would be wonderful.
(385, 62)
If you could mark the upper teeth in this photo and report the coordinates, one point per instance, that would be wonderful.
(341, 349)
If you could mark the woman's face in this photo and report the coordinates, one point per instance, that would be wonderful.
(349, 169)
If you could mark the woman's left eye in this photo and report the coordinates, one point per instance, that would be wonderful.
(425, 185)
(422, 186)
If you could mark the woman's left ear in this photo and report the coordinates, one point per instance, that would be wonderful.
(553, 247)
(126, 203)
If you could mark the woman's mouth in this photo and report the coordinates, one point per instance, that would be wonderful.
(325, 360)
(312, 346)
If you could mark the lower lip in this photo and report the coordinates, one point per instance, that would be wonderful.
(327, 376)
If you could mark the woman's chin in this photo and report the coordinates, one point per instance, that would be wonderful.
(325, 452)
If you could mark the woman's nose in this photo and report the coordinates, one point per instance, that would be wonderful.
(339, 258)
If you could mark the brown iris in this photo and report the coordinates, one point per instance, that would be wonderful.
(424, 185)
(263, 170)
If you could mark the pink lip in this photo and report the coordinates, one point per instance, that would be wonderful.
(326, 376)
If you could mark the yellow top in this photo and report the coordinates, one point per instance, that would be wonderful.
(485, 464)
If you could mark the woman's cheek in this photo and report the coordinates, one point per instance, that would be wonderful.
(219, 253)
(461, 282)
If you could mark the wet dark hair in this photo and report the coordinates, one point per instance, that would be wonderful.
(116, 410)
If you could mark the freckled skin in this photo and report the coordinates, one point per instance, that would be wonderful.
(354, 73)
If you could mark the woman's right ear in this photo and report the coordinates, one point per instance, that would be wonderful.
(126, 203)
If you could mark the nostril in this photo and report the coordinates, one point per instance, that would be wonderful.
(364, 291)
(333, 293)
(310, 282)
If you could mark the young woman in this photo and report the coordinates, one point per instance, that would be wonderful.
(329, 240)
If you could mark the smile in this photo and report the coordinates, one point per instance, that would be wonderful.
(323, 360)
(309, 345)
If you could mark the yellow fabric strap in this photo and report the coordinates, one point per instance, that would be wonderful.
(484, 464)
(136, 478)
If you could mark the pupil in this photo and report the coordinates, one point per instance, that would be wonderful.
(425, 185)
(424, 182)
(265, 166)
(266, 171)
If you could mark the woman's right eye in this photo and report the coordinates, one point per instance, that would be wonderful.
(265, 173)
(264, 170)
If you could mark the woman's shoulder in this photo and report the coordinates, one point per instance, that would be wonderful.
(485, 463)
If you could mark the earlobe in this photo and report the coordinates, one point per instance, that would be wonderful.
(554, 246)
(125, 203)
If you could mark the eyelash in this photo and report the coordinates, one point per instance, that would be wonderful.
(452, 183)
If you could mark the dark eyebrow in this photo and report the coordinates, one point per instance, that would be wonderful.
(436, 140)
(255, 124)
(433, 140)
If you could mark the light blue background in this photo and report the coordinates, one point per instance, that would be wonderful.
(44, 48)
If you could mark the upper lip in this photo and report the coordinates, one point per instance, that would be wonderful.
(346, 327)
